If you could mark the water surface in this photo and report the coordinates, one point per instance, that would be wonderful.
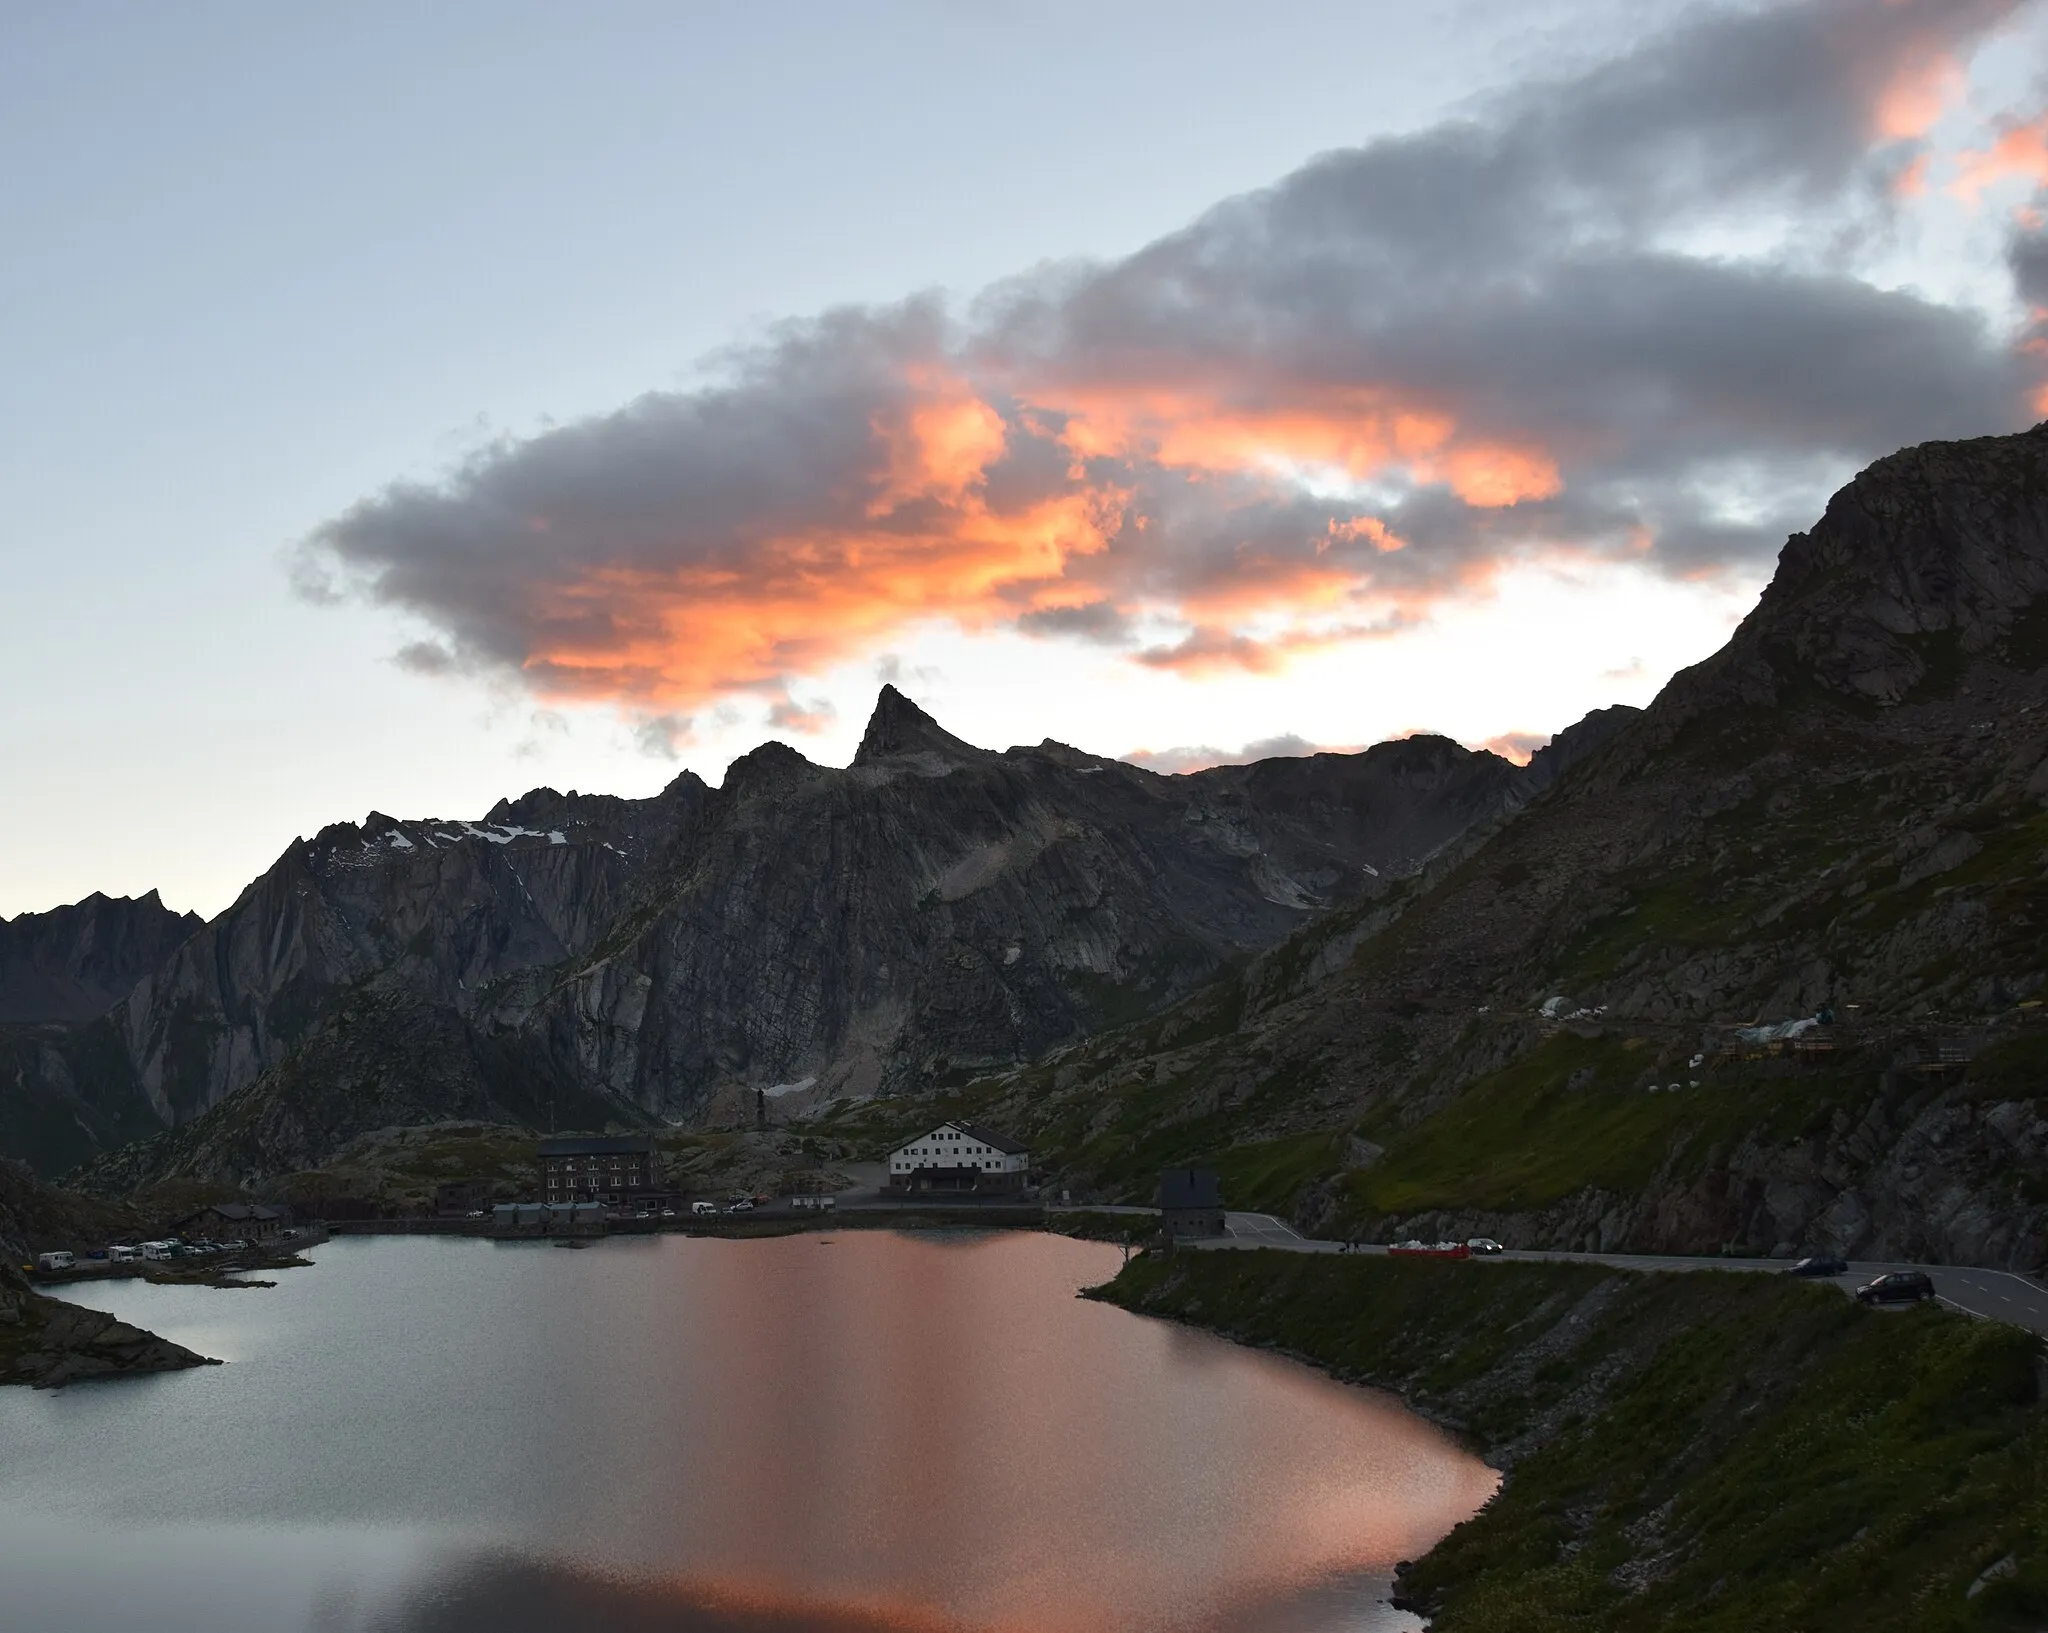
(858, 1431)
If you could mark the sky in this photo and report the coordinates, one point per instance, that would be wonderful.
(402, 407)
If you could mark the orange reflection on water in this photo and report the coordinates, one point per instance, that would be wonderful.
(917, 1427)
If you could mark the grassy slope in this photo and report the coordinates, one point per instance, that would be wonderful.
(1709, 1451)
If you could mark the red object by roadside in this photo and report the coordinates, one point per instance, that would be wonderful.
(1426, 1250)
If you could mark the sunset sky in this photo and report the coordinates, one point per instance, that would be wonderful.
(406, 406)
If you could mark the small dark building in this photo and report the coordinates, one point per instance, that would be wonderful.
(616, 1171)
(1190, 1202)
(454, 1198)
(236, 1221)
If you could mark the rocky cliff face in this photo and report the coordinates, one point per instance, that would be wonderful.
(75, 962)
(1556, 1033)
(937, 909)
(442, 911)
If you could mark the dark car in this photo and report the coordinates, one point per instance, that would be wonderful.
(1897, 1287)
(1820, 1265)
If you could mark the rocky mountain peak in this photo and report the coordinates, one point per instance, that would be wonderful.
(75, 962)
(772, 768)
(1931, 558)
(899, 728)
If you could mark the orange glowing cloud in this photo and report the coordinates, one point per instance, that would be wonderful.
(1912, 101)
(1370, 528)
(1308, 419)
(682, 635)
(1360, 432)
(2019, 149)
(1517, 746)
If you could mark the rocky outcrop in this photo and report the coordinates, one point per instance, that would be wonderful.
(443, 911)
(937, 910)
(386, 1060)
(1842, 810)
(48, 1343)
(44, 1341)
(75, 962)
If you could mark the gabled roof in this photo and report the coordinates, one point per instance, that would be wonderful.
(975, 1131)
(617, 1145)
(259, 1212)
(990, 1138)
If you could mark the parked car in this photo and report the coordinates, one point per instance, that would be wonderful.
(744, 1205)
(1820, 1264)
(1897, 1287)
(701, 1208)
(1485, 1246)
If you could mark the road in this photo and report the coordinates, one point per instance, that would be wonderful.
(1997, 1295)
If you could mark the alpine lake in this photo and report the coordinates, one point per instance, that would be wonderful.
(836, 1433)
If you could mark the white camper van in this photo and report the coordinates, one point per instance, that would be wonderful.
(55, 1261)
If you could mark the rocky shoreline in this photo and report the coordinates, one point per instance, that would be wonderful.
(47, 1343)
(1700, 1450)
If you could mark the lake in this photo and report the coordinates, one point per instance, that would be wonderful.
(836, 1433)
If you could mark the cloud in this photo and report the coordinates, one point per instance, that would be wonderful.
(661, 736)
(1518, 746)
(426, 658)
(2018, 149)
(809, 718)
(1287, 746)
(1607, 316)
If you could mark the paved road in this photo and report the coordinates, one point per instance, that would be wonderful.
(1998, 1295)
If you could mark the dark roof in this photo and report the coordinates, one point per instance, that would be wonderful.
(990, 1138)
(260, 1212)
(617, 1145)
(1190, 1188)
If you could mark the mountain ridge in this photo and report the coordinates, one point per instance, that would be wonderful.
(929, 910)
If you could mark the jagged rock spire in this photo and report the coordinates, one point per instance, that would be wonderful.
(898, 726)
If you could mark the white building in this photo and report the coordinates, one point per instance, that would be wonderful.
(959, 1157)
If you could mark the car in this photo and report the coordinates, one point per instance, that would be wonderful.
(124, 1253)
(1485, 1246)
(701, 1208)
(1820, 1264)
(1897, 1287)
(668, 1213)
(744, 1205)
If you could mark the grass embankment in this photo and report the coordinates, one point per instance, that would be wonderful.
(1713, 1451)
